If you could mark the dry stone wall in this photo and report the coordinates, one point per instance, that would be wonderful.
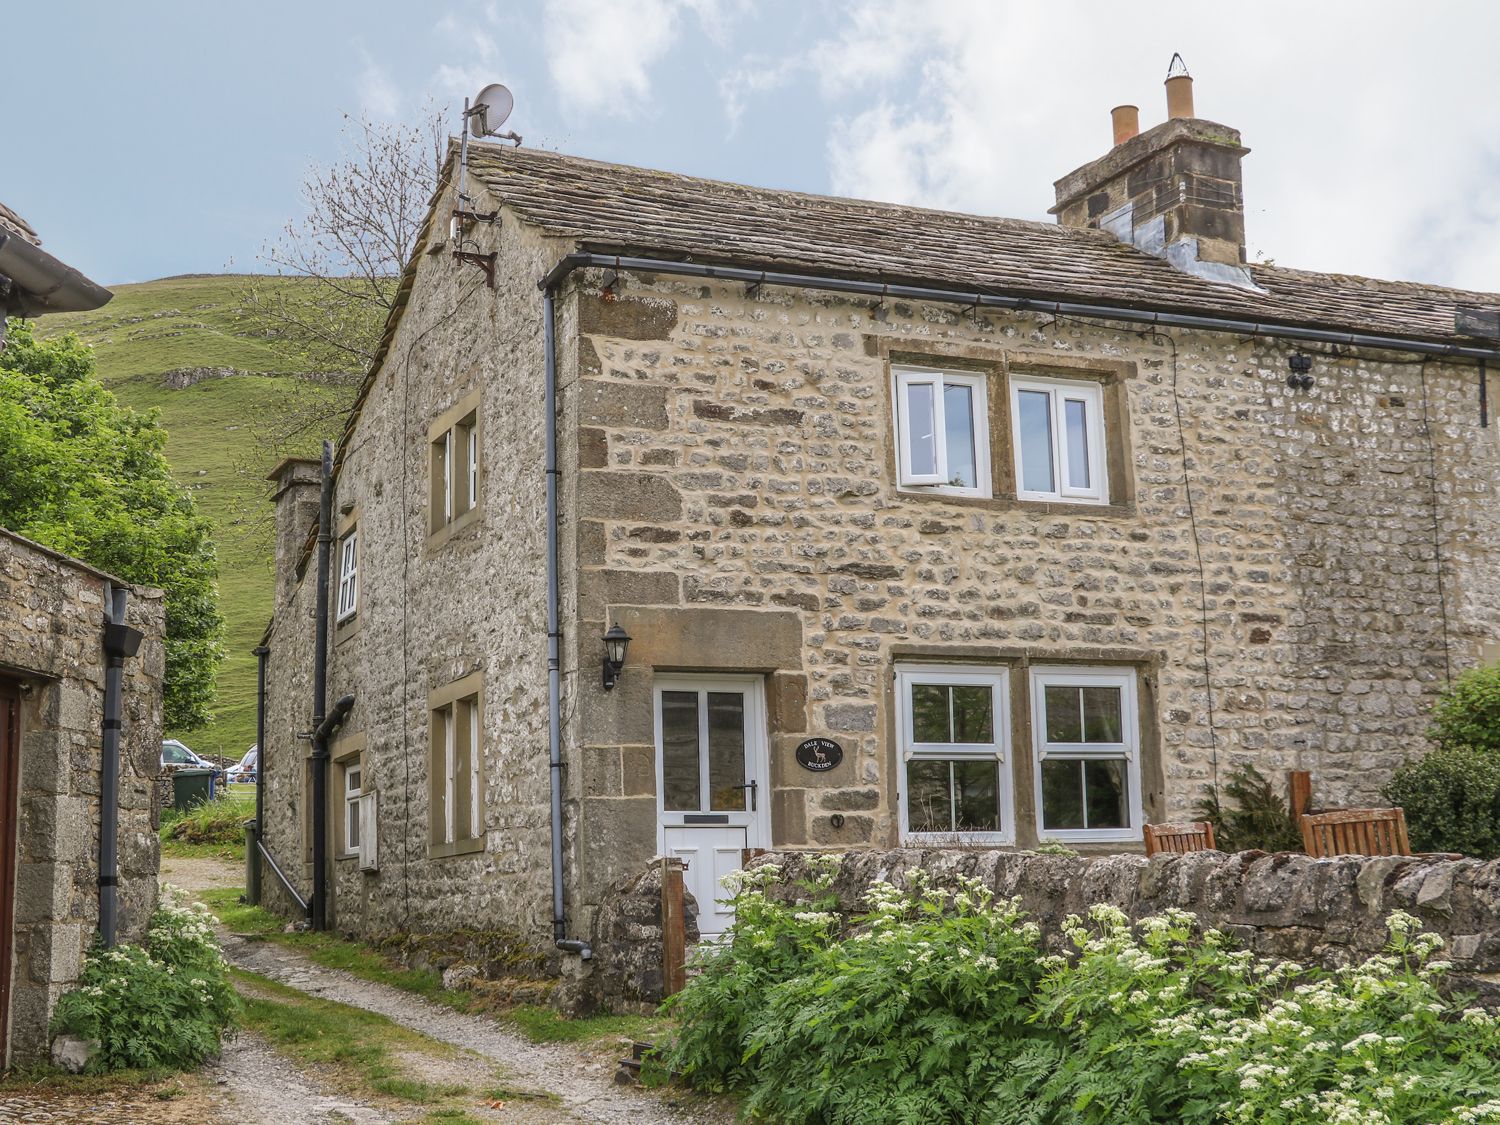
(51, 632)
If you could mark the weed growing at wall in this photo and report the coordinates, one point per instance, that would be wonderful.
(164, 1005)
(940, 1005)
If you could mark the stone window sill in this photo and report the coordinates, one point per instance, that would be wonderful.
(1122, 510)
(437, 538)
(456, 848)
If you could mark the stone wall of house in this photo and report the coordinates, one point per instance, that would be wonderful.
(1336, 551)
(1288, 906)
(433, 609)
(51, 630)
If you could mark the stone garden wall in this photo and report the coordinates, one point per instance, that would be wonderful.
(1286, 905)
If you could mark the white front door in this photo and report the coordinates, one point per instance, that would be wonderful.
(712, 781)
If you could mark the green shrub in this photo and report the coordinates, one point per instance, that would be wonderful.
(166, 1005)
(1260, 818)
(1452, 801)
(211, 822)
(1468, 713)
(940, 1006)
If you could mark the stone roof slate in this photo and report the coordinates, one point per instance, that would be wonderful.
(11, 221)
(615, 208)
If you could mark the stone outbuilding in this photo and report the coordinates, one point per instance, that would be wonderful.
(59, 632)
(923, 528)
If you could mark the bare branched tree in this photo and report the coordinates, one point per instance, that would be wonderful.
(335, 269)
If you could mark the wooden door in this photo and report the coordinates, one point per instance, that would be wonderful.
(10, 759)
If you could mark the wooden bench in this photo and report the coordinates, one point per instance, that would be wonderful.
(1355, 832)
(1179, 839)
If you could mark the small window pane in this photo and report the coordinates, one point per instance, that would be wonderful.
(1106, 789)
(1034, 414)
(973, 714)
(1062, 794)
(726, 751)
(351, 780)
(978, 796)
(679, 751)
(929, 802)
(958, 424)
(1064, 723)
(929, 713)
(1075, 414)
(1101, 714)
(921, 427)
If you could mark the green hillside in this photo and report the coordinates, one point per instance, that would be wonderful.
(217, 442)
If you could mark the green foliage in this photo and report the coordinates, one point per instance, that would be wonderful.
(1468, 713)
(1451, 797)
(83, 476)
(211, 822)
(940, 1006)
(162, 1006)
(1260, 820)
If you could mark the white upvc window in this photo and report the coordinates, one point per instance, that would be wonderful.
(352, 794)
(348, 602)
(457, 778)
(1057, 428)
(1088, 764)
(448, 512)
(954, 734)
(942, 431)
(450, 773)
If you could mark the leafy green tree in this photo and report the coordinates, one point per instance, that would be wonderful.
(82, 475)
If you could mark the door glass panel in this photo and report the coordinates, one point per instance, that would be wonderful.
(1034, 413)
(1064, 723)
(1075, 416)
(929, 713)
(726, 751)
(679, 751)
(1101, 714)
(921, 426)
(929, 805)
(958, 423)
(1062, 794)
(978, 786)
(1105, 786)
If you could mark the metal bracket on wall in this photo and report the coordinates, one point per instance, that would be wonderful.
(485, 262)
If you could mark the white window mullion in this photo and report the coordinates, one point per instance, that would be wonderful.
(448, 477)
(450, 770)
(473, 467)
(475, 826)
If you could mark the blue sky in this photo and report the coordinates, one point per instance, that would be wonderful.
(155, 138)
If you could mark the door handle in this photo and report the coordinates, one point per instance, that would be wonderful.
(753, 787)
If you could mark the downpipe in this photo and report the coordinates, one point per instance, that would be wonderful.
(554, 639)
(252, 854)
(120, 643)
(320, 700)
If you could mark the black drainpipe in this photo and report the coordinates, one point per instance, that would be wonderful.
(120, 643)
(320, 701)
(252, 851)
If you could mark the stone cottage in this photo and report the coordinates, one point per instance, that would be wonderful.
(922, 528)
(71, 861)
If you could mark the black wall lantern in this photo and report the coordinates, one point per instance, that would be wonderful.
(615, 643)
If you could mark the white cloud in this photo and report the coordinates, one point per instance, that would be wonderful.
(600, 53)
(377, 91)
(1376, 139)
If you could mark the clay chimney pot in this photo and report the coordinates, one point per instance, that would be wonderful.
(1126, 120)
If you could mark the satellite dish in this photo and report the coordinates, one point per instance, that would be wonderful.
(489, 110)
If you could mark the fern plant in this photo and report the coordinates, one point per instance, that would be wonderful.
(1259, 819)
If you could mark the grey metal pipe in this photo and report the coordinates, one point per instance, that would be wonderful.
(554, 638)
(1269, 329)
(320, 700)
(120, 642)
(285, 882)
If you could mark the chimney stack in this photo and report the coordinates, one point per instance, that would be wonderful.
(1173, 191)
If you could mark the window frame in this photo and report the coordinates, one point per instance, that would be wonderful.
(903, 377)
(997, 677)
(455, 469)
(455, 765)
(351, 799)
(1039, 678)
(1060, 391)
(348, 605)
